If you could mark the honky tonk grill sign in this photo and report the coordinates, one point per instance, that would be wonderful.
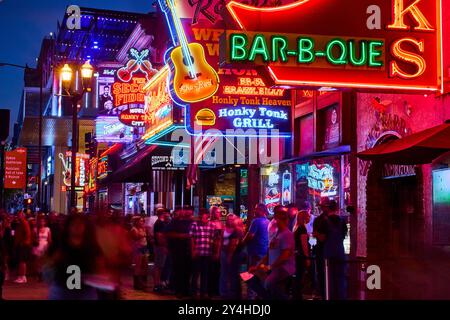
(366, 44)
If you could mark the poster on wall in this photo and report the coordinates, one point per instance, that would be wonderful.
(15, 169)
(104, 88)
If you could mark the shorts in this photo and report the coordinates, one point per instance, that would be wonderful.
(23, 253)
(160, 256)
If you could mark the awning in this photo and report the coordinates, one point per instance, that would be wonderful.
(419, 148)
(137, 169)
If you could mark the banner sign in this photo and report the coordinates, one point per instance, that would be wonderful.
(244, 99)
(16, 169)
(110, 129)
(366, 44)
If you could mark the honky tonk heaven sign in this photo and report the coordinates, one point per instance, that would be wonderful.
(366, 44)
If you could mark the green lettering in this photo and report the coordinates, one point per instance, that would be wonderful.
(305, 50)
(362, 54)
(374, 53)
(238, 47)
(259, 46)
(279, 46)
(342, 45)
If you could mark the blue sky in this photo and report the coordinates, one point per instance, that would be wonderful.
(23, 24)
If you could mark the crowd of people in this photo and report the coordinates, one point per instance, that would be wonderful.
(207, 256)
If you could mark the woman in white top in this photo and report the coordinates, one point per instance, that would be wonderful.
(42, 242)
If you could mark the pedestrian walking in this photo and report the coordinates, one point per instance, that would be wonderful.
(140, 257)
(160, 250)
(302, 252)
(214, 268)
(179, 244)
(202, 247)
(78, 248)
(22, 246)
(43, 240)
(275, 269)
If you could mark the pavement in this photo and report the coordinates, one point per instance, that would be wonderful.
(35, 290)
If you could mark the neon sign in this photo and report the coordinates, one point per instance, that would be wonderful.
(128, 87)
(276, 48)
(383, 45)
(81, 169)
(321, 180)
(134, 117)
(192, 78)
(158, 104)
(110, 129)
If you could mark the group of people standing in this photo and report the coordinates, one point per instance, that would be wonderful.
(208, 256)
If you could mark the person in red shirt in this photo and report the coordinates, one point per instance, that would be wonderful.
(22, 245)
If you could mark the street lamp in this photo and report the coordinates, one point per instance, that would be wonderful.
(87, 72)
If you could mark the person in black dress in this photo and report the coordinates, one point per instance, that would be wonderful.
(302, 251)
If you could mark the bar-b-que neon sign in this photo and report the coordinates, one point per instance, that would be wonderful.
(376, 44)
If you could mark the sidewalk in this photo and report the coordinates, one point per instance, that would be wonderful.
(34, 290)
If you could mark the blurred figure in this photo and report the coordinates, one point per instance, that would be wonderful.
(319, 232)
(202, 247)
(332, 234)
(160, 248)
(22, 246)
(115, 246)
(214, 267)
(257, 237)
(8, 243)
(140, 258)
(302, 255)
(279, 264)
(292, 212)
(3, 259)
(42, 242)
(54, 224)
(179, 244)
(78, 247)
(229, 259)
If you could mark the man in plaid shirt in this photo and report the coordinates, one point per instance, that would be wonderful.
(202, 245)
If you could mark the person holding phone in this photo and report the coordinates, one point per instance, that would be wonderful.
(279, 264)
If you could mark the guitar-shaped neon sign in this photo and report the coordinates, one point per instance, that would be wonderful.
(192, 78)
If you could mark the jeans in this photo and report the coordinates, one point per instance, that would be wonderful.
(213, 277)
(200, 268)
(230, 283)
(182, 267)
(273, 287)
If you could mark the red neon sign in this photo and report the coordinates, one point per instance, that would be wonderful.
(402, 39)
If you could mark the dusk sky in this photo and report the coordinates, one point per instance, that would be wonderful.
(24, 23)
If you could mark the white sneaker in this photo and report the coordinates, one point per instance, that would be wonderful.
(21, 280)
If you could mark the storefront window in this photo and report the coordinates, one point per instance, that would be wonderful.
(276, 186)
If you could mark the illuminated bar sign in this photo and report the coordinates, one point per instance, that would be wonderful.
(376, 44)
(244, 99)
(128, 87)
(158, 104)
(110, 129)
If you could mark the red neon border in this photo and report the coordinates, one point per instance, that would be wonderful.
(439, 49)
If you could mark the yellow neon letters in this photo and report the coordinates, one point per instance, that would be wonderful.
(409, 57)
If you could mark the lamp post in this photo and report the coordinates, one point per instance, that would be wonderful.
(67, 75)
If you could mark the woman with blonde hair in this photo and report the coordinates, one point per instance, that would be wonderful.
(139, 241)
(302, 262)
